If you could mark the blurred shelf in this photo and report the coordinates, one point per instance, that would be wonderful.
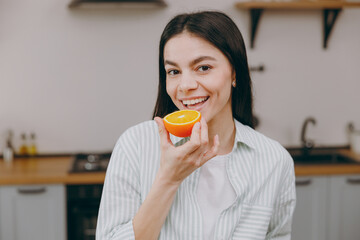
(331, 10)
(116, 4)
(296, 5)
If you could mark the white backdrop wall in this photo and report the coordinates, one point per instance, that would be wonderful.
(79, 78)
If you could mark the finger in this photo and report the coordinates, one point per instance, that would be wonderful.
(194, 142)
(164, 134)
(204, 133)
(213, 151)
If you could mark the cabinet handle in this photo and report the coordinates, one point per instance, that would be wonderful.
(31, 190)
(353, 180)
(303, 182)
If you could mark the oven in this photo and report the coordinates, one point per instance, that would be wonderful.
(82, 210)
(83, 201)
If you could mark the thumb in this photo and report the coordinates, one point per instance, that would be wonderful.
(164, 134)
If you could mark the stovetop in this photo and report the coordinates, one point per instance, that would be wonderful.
(93, 162)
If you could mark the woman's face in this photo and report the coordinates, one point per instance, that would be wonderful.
(198, 76)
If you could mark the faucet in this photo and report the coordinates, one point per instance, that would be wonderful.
(307, 144)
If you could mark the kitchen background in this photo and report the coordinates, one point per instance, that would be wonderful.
(79, 78)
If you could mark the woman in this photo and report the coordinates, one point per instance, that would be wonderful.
(226, 181)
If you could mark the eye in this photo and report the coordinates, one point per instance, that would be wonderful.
(172, 72)
(204, 68)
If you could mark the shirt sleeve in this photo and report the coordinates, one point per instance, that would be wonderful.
(281, 220)
(120, 197)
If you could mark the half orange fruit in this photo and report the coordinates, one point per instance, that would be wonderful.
(180, 123)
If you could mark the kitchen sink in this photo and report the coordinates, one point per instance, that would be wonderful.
(322, 159)
(317, 156)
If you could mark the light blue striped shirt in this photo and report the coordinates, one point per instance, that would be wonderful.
(260, 170)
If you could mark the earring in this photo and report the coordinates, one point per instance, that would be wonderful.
(234, 84)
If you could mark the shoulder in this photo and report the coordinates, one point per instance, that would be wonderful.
(138, 135)
(265, 146)
(134, 143)
(147, 129)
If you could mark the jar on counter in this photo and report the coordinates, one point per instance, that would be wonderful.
(354, 135)
(23, 150)
(32, 148)
(8, 153)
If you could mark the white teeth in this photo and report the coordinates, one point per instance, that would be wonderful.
(194, 101)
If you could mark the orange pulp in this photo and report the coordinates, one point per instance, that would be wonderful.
(180, 123)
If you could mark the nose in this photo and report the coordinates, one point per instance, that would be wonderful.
(187, 83)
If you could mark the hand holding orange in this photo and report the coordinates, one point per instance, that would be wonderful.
(180, 123)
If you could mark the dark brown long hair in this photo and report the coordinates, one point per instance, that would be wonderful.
(218, 29)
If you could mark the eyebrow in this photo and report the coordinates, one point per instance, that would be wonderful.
(193, 62)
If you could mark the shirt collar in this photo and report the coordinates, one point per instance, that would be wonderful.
(243, 135)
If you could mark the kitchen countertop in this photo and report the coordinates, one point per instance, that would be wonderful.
(54, 170)
(331, 169)
(45, 170)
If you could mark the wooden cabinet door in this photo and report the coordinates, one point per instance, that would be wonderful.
(344, 207)
(309, 221)
(32, 212)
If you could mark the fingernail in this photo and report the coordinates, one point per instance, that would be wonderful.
(197, 125)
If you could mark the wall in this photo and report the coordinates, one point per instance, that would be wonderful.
(79, 78)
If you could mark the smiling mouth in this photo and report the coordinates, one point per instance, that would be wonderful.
(194, 102)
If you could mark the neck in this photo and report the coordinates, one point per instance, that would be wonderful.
(225, 129)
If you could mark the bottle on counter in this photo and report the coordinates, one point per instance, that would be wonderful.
(32, 149)
(9, 150)
(23, 150)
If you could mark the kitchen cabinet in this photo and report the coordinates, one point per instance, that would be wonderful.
(32, 212)
(344, 207)
(310, 216)
(327, 208)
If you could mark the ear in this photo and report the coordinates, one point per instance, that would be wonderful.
(233, 75)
